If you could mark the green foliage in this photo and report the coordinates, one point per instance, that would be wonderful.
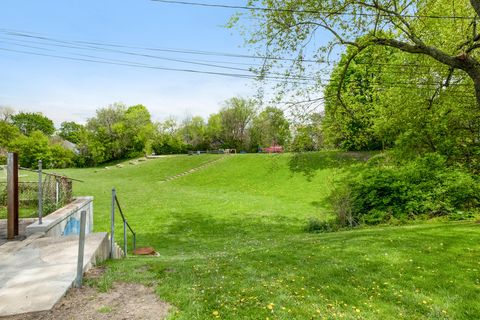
(37, 147)
(349, 120)
(117, 132)
(270, 127)
(236, 117)
(309, 136)
(315, 225)
(71, 131)
(29, 122)
(423, 187)
(8, 133)
(194, 132)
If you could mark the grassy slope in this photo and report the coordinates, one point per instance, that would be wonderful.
(231, 241)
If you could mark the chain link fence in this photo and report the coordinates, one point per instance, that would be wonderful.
(56, 192)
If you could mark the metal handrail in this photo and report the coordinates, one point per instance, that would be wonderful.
(126, 225)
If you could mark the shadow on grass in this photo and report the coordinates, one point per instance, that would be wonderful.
(196, 232)
(307, 163)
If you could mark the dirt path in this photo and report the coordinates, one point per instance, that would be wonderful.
(123, 301)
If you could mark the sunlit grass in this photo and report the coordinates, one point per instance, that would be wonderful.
(232, 244)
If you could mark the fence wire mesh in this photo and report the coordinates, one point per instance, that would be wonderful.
(56, 192)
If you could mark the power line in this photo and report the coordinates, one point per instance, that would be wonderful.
(101, 60)
(332, 13)
(268, 76)
(101, 45)
(133, 64)
(171, 50)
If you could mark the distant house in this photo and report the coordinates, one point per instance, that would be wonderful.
(70, 146)
(273, 149)
(65, 143)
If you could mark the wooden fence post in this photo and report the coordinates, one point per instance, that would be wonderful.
(12, 195)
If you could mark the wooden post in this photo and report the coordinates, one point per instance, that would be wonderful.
(12, 195)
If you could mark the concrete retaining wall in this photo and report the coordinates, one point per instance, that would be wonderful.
(65, 221)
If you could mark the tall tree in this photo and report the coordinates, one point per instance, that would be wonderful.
(270, 127)
(194, 131)
(29, 122)
(6, 113)
(236, 116)
(443, 30)
(71, 131)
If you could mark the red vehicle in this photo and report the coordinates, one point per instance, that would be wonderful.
(273, 149)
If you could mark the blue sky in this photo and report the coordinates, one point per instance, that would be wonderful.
(72, 90)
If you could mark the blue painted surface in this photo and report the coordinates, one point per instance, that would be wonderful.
(72, 227)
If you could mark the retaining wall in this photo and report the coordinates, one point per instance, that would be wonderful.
(66, 220)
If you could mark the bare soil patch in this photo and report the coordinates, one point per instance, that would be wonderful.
(123, 301)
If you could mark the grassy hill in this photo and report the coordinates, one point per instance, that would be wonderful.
(232, 246)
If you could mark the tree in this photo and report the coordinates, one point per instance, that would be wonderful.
(28, 122)
(71, 131)
(138, 130)
(214, 131)
(236, 116)
(353, 128)
(270, 127)
(121, 131)
(418, 27)
(168, 138)
(194, 131)
(308, 136)
(6, 113)
(8, 133)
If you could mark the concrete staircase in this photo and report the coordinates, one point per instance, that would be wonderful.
(117, 251)
(193, 170)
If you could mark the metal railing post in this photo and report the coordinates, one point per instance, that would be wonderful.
(81, 249)
(40, 193)
(134, 242)
(112, 225)
(125, 237)
(57, 191)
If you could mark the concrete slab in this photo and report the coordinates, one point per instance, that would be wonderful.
(22, 225)
(36, 274)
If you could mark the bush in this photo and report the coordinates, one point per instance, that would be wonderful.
(396, 193)
(316, 225)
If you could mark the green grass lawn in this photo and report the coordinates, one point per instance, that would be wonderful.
(232, 244)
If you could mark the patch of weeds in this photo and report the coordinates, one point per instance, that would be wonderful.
(460, 215)
(315, 225)
(105, 309)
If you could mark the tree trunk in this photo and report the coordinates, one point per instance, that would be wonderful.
(476, 83)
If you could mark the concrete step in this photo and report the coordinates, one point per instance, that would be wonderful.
(117, 252)
(35, 275)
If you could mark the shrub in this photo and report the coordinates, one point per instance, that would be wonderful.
(423, 187)
(316, 225)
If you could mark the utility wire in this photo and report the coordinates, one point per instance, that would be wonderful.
(133, 64)
(331, 13)
(94, 59)
(100, 46)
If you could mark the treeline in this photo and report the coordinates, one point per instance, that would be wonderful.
(119, 132)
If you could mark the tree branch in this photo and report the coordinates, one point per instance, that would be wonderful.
(476, 6)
